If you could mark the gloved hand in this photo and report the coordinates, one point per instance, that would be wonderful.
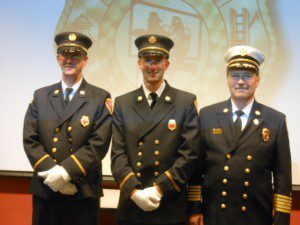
(147, 199)
(68, 189)
(55, 178)
(153, 194)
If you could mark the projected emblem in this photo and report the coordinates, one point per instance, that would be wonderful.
(201, 30)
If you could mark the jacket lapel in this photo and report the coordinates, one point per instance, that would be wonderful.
(255, 121)
(141, 106)
(225, 120)
(77, 101)
(56, 99)
(163, 106)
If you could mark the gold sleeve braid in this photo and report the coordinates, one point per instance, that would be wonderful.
(195, 193)
(282, 203)
(126, 178)
(172, 181)
(79, 164)
(40, 160)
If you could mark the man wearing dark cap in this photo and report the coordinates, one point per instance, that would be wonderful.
(154, 148)
(246, 145)
(67, 130)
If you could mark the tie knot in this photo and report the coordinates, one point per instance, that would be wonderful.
(153, 96)
(69, 90)
(239, 113)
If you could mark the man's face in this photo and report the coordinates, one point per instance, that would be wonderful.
(242, 84)
(153, 68)
(72, 63)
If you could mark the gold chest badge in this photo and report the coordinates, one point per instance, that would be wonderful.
(265, 134)
(85, 121)
(217, 131)
(172, 124)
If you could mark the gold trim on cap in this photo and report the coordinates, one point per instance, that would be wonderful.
(78, 164)
(242, 60)
(153, 48)
(40, 160)
(72, 45)
(126, 178)
(172, 181)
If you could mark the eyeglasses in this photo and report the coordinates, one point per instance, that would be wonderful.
(244, 77)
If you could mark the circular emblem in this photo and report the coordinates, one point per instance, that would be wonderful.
(152, 40)
(72, 37)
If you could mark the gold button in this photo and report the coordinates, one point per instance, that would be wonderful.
(156, 142)
(228, 156)
(140, 183)
(140, 143)
(140, 154)
(225, 181)
(56, 129)
(245, 196)
(223, 206)
(156, 174)
(246, 183)
(138, 175)
(154, 183)
(226, 168)
(156, 163)
(71, 149)
(69, 128)
(55, 139)
(156, 153)
(249, 157)
(244, 209)
(247, 170)
(54, 160)
(54, 150)
(70, 140)
(224, 193)
(139, 164)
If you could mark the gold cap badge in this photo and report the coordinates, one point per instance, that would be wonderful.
(265, 134)
(172, 124)
(152, 40)
(243, 52)
(85, 121)
(72, 37)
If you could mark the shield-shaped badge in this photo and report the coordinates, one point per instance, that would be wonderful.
(265, 134)
(172, 124)
(85, 121)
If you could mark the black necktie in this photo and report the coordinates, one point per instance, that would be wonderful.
(154, 99)
(238, 122)
(68, 92)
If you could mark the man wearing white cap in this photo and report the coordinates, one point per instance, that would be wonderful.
(246, 145)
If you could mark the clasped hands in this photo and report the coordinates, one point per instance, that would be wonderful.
(147, 199)
(58, 179)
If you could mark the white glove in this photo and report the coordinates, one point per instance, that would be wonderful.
(55, 178)
(153, 194)
(68, 189)
(147, 199)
